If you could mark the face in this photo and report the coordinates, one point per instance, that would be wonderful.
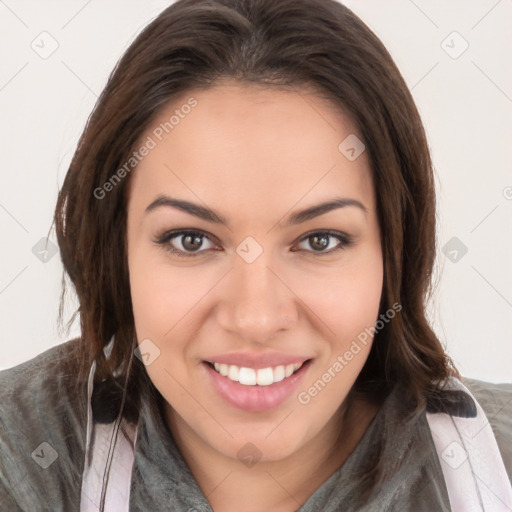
(236, 273)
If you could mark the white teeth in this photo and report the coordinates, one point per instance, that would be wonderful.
(279, 373)
(252, 377)
(264, 377)
(233, 373)
(247, 376)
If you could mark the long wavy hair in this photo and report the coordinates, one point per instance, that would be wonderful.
(317, 44)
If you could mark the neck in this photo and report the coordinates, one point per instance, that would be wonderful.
(280, 486)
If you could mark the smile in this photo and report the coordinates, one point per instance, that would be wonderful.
(256, 377)
(255, 390)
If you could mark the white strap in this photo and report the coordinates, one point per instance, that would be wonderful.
(117, 495)
(472, 466)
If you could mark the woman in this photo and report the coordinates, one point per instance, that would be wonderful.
(249, 224)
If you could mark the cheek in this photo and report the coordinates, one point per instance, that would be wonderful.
(347, 299)
(349, 307)
(148, 295)
(163, 295)
(358, 295)
(160, 297)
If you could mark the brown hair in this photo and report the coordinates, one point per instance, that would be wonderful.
(290, 43)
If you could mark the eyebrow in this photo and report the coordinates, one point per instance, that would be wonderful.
(209, 215)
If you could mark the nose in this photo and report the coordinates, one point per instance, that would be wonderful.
(257, 303)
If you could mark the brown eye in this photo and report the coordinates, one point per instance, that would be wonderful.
(191, 242)
(184, 243)
(318, 242)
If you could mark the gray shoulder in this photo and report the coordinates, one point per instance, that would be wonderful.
(496, 401)
(26, 388)
(43, 418)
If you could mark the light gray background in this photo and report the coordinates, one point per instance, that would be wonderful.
(465, 102)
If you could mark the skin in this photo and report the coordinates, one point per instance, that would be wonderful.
(255, 155)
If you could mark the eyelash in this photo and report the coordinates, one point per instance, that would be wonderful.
(164, 239)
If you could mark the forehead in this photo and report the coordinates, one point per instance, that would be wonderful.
(251, 147)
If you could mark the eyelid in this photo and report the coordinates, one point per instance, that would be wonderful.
(345, 240)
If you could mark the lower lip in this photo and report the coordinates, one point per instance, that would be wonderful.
(256, 398)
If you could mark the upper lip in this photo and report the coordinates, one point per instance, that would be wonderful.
(257, 361)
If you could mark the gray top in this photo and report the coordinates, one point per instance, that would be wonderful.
(38, 404)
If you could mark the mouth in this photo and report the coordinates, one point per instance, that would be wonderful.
(255, 390)
(256, 376)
